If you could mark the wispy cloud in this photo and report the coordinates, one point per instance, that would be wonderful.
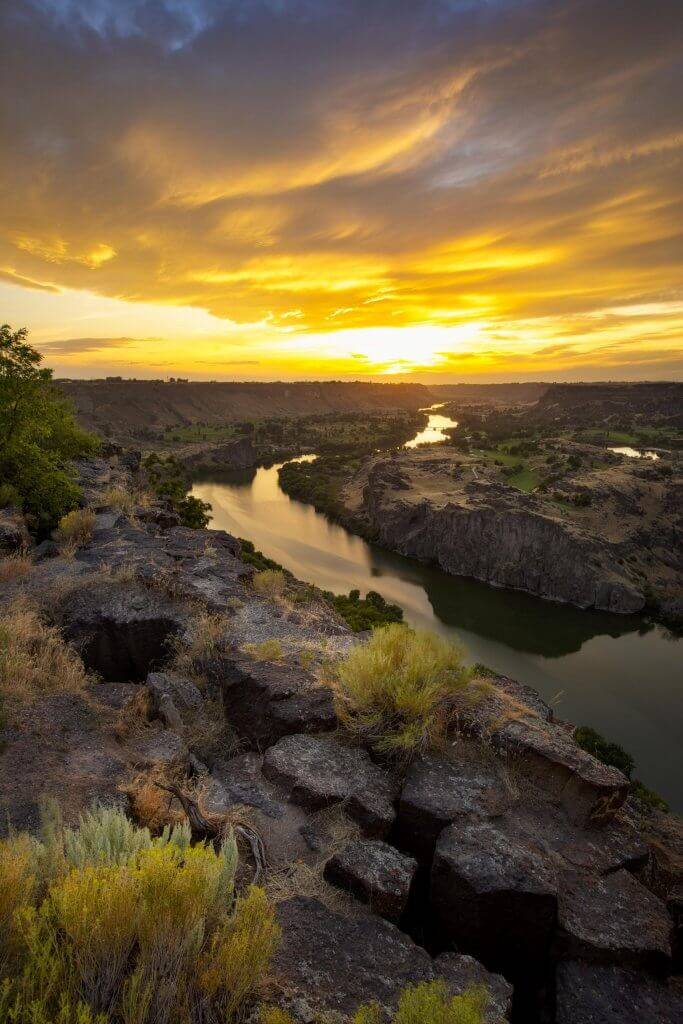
(315, 166)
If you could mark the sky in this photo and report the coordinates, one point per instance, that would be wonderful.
(278, 189)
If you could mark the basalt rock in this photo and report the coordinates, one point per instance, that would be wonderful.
(265, 701)
(375, 873)
(613, 919)
(494, 534)
(338, 963)
(437, 791)
(494, 896)
(590, 791)
(586, 994)
(462, 972)
(318, 771)
(172, 697)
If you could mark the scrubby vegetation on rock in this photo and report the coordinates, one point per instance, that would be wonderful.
(38, 434)
(398, 691)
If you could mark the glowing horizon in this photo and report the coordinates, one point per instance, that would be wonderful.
(447, 190)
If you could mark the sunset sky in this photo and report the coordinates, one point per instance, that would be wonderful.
(260, 189)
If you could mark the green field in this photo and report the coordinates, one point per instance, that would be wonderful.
(525, 480)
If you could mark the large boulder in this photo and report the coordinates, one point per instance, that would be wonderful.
(318, 771)
(265, 701)
(437, 791)
(494, 895)
(122, 632)
(375, 873)
(338, 963)
(613, 919)
(586, 994)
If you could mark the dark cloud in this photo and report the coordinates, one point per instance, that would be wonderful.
(402, 162)
(73, 346)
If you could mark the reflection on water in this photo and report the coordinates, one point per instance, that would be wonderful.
(434, 431)
(616, 673)
(635, 453)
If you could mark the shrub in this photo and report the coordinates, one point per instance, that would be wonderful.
(34, 659)
(104, 923)
(368, 612)
(398, 690)
(270, 583)
(431, 1003)
(648, 798)
(15, 567)
(168, 479)
(39, 436)
(609, 753)
(250, 555)
(75, 528)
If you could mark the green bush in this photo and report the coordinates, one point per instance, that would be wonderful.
(168, 479)
(365, 613)
(104, 923)
(39, 437)
(609, 753)
(398, 691)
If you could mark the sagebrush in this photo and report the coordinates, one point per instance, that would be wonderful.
(105, 923)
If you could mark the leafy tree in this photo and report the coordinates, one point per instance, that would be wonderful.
(169, 480)
(39, 436)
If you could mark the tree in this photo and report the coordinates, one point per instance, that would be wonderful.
(39, 436)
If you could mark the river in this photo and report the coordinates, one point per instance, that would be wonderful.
(620, 674)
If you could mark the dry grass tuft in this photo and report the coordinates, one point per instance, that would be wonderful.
(120, 498)
(15, 568)
(200, 641)
(34, 658)
(269, 650)
(133, 715)
(75, 529)
(270, 583)
(402, 690)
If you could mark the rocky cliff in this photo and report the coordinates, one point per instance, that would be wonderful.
(511, 859)
(448, 508)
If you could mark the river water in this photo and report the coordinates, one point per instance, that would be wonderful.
(620, 674)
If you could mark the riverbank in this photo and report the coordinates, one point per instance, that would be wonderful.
(509, 842)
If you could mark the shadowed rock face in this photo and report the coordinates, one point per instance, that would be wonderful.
(586, 994)
(266, 701)
(122, 634)
(493, 895)
(613, 920)
(494, 535)
(339, 963)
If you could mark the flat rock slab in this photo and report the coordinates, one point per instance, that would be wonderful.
(318, 771)
(586, 994)
(265, 701)
(159, 748)
(613, 919)
(461, 972)
(375, 873)
(494, 896)
(338, 963)
(436, 792)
